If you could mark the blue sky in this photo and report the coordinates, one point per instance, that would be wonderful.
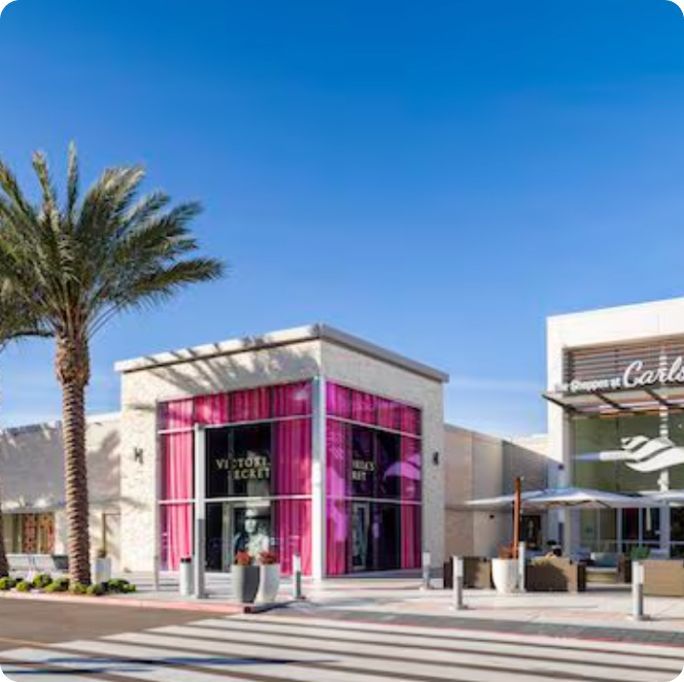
(437, 177)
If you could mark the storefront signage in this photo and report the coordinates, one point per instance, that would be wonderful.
(634, 376)
(362, 469)
(245, 468)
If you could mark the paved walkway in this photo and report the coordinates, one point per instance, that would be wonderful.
(299, 648)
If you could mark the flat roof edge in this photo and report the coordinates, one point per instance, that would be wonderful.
(280, 338)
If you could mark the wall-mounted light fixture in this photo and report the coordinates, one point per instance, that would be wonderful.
(138, 455)
(435, 458)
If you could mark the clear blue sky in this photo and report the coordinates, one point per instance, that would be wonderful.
(437, 177)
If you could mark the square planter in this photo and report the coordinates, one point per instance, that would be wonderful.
(245, 581)
(269, 583)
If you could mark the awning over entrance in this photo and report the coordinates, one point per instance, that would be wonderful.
(619, 402)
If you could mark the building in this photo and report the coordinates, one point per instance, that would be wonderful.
(616, 420)
(480, 466)
(306, 441)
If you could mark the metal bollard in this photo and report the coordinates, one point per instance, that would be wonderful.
(427, 560)
(457, 563)
(296, 577)
(638, 591)
(185, 577)
(522, 549)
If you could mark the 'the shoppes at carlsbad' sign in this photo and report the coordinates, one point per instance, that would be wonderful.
(634, 376)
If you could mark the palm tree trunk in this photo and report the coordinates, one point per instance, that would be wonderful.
(73, 371)
(76, 481)
(4, 564)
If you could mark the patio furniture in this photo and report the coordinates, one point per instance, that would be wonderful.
(555, 574)
(609, 568)
(664, 578)
(477, 573)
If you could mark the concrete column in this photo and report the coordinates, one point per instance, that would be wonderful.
(200, 512)
(664, 485)
(318, 482)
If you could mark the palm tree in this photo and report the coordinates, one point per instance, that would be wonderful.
(15, 323)
(75, 266)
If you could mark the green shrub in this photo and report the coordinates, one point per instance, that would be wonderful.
(129, 589)
(640, 553)
(117, 585)
(96, 590)
(41, 580)
(24, 586)
(7, 583)
(58, 585)
(77, 588)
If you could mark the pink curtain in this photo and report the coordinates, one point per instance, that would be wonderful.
(388, 413)
(291, 400)
(337, 516)
(411, 473)
(363, 407)
(293, 457)
(176, 529)
(410, 419)
(338, 399)
(250, 405)
(177, 414)
(411, 469)
(212, 409)
(177, 466)
(293, 529)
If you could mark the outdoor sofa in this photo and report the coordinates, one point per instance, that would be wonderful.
(555, 574)
(664, 577)
(477, 573)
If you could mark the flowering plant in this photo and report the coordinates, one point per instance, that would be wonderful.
(268, 558)
(243, 558)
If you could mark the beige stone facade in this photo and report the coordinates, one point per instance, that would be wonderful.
(32, 479)
(480, 466)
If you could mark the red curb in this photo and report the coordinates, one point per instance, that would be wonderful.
(206, 607)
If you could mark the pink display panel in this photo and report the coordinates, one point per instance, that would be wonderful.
(177, 466)
(176, 534)
(373, 477)
(293, 528)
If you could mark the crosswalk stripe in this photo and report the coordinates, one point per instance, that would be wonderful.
(255, 645)
(463, 633)
(301, 649)
(481, 645)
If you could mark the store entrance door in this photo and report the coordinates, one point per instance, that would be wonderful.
(360, 535)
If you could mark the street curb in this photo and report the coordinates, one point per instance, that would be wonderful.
(205, 607)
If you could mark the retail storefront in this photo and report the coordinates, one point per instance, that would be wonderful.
(616, 420)
(308, 442)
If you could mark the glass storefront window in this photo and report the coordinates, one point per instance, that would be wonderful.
(239, 461)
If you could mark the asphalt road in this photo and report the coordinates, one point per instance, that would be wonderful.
(25, 622)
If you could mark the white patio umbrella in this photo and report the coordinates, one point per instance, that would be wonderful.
(576, 498)
(667, 497)
(586, 498)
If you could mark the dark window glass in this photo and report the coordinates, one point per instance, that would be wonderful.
(239, 461)
(388, 463)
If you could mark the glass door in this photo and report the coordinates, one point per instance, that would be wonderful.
(360, 535)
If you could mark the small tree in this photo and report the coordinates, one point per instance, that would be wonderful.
(77, 265)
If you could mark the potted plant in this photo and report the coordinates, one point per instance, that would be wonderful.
(269, 577)
(245, 578)
(505, 571)
(102, 569)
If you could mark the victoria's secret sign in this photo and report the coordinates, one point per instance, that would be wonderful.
(245, 468)
(635, 375)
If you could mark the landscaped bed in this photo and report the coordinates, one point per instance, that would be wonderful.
(46, 584)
